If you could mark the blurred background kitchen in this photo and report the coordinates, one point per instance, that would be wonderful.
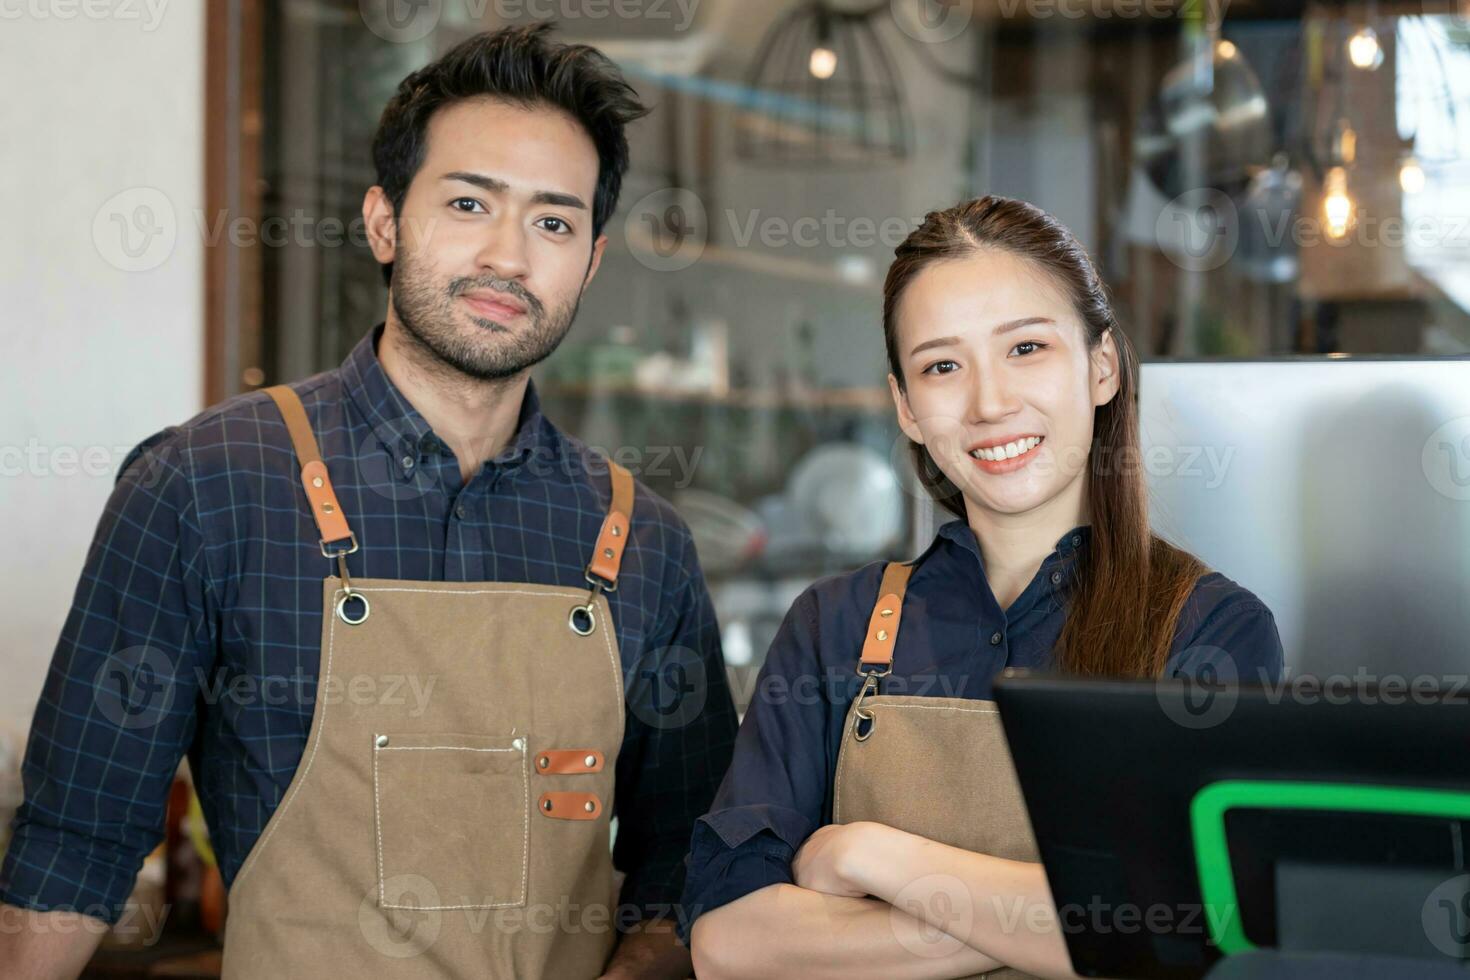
(1259, 180)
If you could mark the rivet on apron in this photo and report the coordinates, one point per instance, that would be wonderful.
(518, 744)
(327, 508)
(381, 741)
(546, 805)
(886, 613)
(589, 806)
(617, 532)
(882, 634)
(316, 481)
(591, 761)
(607, 552)
(543, 762)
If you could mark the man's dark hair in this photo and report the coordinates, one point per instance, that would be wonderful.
(520, 65)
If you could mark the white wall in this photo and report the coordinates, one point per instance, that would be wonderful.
(98, 347)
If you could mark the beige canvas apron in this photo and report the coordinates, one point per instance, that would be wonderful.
(936, 767)
(462, 831)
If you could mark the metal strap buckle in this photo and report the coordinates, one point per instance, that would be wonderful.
(351, 537)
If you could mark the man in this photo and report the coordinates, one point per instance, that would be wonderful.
(408, 632)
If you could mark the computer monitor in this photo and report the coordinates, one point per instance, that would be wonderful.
(1113, 771)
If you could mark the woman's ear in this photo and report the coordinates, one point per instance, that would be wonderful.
(1104, 375)
(906, 420)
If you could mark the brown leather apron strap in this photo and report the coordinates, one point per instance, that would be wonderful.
(325, 509)
(887, 611)
(613, 538)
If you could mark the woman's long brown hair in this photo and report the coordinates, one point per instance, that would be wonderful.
(1130, 584)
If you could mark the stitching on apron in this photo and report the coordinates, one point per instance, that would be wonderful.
(453, 748)
(316, 741)
(525, 838)
(942, 707)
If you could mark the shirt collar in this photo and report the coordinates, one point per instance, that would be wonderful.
(404, 433)
(957, 533)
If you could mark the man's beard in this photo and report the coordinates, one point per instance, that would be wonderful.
(430, 315)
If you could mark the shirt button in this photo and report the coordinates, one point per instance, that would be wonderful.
(407, 462)
(1076, 540)
(995, 639)
(459, 511)
(1056, 578)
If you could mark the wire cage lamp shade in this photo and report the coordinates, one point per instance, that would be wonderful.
(823, 90)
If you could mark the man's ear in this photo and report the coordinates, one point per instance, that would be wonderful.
(381, 224)
(597, 249)
(1104, 371)
(906, 420)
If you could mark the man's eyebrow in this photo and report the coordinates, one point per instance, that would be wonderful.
(1007, 327)
(497, 186)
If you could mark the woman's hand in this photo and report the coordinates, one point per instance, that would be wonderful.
(833, 859)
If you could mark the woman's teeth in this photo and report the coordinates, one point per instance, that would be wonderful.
(1009, 451)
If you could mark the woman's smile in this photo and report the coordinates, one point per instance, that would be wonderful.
(1006, 455)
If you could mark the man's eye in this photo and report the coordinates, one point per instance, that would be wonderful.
(556, 226)
(1026, 347)
(465, 204)
(941, 367)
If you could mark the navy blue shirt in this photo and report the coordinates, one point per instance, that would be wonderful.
(953, 641)
(196, 627)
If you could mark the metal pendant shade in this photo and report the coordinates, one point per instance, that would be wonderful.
(823, 90)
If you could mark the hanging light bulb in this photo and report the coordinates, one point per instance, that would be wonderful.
(1337, 206)
(1364, 51)
(1411, 175)
(823, 62)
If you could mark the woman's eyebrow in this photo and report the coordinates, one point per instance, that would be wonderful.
(1025, 321)
(936, 342)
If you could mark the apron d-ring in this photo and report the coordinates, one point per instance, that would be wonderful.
(861, 714)
(582, 619)
(348, 592)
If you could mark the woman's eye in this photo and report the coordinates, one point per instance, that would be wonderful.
(941, 367)
(464, 204)
(1026, 347)
(556, 226)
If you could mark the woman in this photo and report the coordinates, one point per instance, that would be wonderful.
(871, 824)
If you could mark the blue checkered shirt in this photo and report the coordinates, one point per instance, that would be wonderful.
(196, 628)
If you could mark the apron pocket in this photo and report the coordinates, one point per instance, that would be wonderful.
(452, 819)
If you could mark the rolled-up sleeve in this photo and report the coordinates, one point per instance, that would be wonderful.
(681, 727)
(774, 795)
(116, 711)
